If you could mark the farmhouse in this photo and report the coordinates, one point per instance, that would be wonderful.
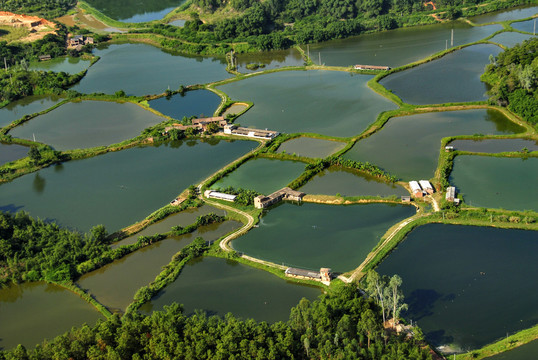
(261, 201)
(248, 132)
(426, 186)
(416, 190)
(218, 195)
(324, 274)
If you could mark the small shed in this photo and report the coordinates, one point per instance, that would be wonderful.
(426, 186)
(450, 193)
(406, 198)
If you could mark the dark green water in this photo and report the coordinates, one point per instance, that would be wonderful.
(510, 39)
(271, 59)
(262, 175)
(28, 105)
(527, 26)
(408, 146)
(465, 285)
(495, 182)
(129, 67)
(503, 15)
(310, 147)
(349, 183)
(33, 312)
(184, 218)
(87, 124)
(120, 188)
(200, 103)
(70, 65)
(115, 284)
(495, 145)
(397, 47)
(219, 286)
(12, 152)
(135, 11)
(453, 78)
(524, 352)
(324, 102)
(314, 236)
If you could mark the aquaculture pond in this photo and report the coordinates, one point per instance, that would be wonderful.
(524, 352)
(350, 183)
(120, 188)
(33, 312)
(503, 15)
(219, 286)
(68, 64)
(27, 106)
(115, 284)
(451, 281)
(325, 102)
(310, 147)
(510, 39)
(235, 109)
(397, 47)
(262, 175)
(86, 124)
(12, 152)
(528, 26)
(313, 236)
(495, 145)
(199, 103)
(495, 182)
(125, 67)
(135, 11)
(408, 146)
(453, 78)
(267, 60)
(183, 218)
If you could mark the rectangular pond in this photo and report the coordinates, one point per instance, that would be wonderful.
(510, 39)
(27, 106)
(460, 282)
(268, 60)
(523, 352)
(199, 103)
(495, 145)
(67, 64)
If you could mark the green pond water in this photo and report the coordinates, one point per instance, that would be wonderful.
(183, 218)
(219, 286)
(115, 284)
(458, 72)
(495, 145)
(199, 103)
(461, 282)
(127, 67)
(527, 26)
(70, 65)
(178, 23)
(509, 39)
(270, 59)
(33, 312)
(12, 152)
(524, 352)
(495, 182)
(310, 147)
(349, 183)
(408, 146)
(397, 47)
(234, 109)
(503, 15)
(135, 11)
(29, 105)
(86, 124)
(325, 102)
(263, 175)
(120, 188)
(312, 236)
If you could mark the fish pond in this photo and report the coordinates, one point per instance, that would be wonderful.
(135, 11)
(324, 102)
(527, 26)
(115, 284)
(27, 106)
(120, 188)
(87, 124)
(68, 64)
(350, 183)
(312, 236)
(496, 182)
(495, 145)
(12, 152)
(524, 352)
(504, 15)
(199, 103)
(397, 47)
(268, 60)
(235, 109)
(509, 39)
(453, 78)
(33, 312)
(310, 147)
(451, 281)
(262, 175)
(218, 286)
(125, 67)
(408, 146)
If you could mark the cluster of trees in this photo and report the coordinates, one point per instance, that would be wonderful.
(48, 9)
(244, 196)
(513, 75)
(341, 324)
(387, 293)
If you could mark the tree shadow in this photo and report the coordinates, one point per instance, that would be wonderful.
(421, 303)
(439, 338)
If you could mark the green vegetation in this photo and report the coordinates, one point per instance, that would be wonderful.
(48, 9)
(244, 197)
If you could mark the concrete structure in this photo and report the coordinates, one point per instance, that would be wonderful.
(44, 57)
(203, 122)
(261, 201)
(449, 148)
(426, 186)
(248, 132)
(324, 274)
(218, 195)
(451, 195)
(370, 67)
(406, 198)
(416, 190)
